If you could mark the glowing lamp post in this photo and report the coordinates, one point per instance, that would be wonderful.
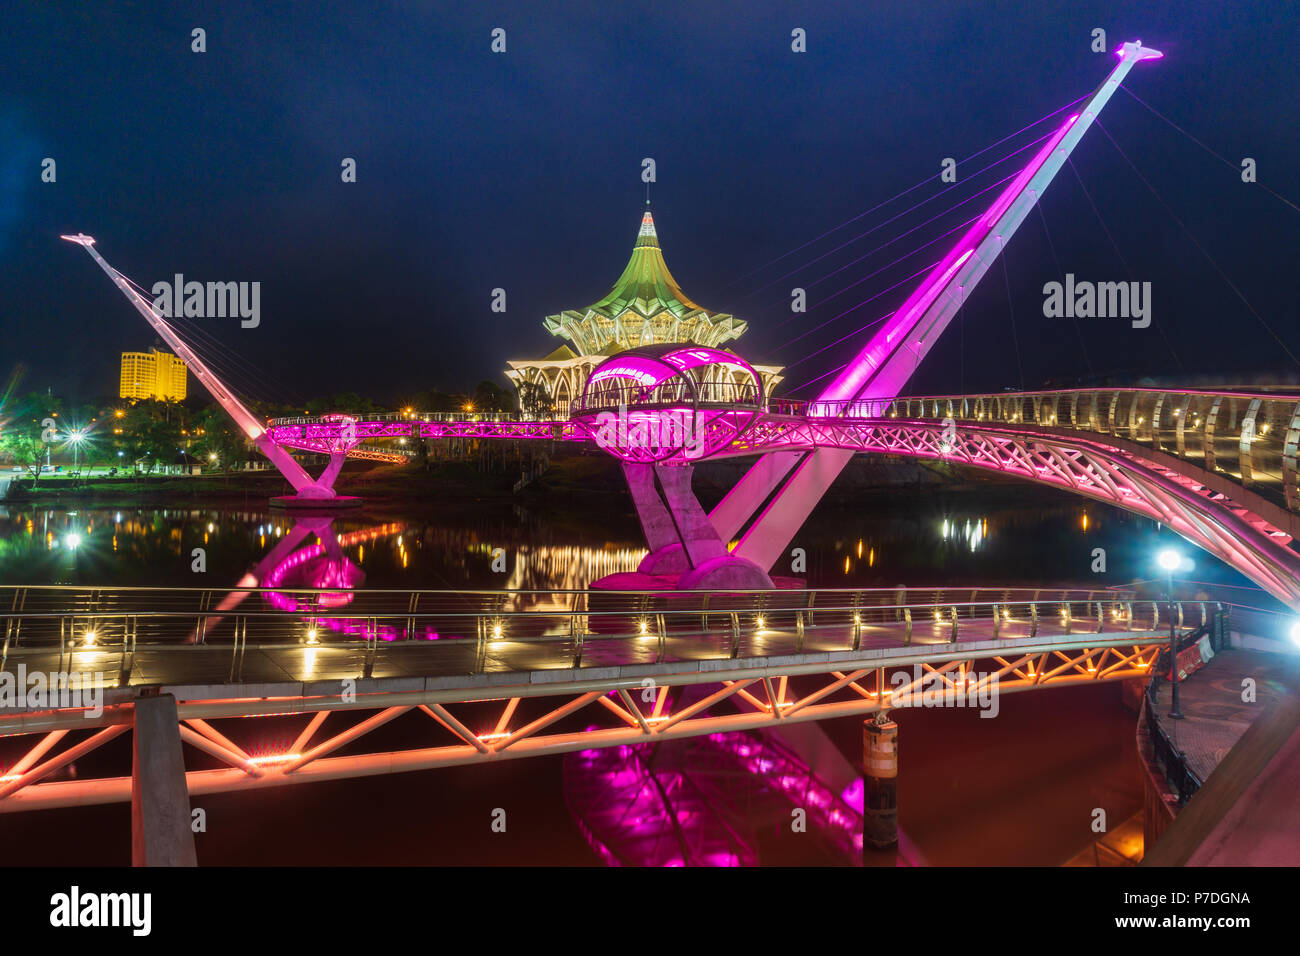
(1170, 560)
(75, 438)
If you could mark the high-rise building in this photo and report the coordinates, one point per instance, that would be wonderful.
(645, 307)
(153, 374)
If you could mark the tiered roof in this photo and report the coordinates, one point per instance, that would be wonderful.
(645, 307)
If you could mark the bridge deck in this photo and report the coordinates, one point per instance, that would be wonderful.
(276, 663)
(1214, 716)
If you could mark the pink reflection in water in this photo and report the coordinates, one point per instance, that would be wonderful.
(679, 804)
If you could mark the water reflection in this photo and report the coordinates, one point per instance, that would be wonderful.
(717, 799)
(704, 802)
(976, 538)
(154, 546)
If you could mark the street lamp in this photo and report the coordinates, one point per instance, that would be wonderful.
(1170, 560)
(75, 438)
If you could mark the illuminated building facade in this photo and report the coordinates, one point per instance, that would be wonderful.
(153, 374)
(645, 307)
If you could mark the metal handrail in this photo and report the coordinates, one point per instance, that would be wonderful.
(336, 602)
(1178, 773)
(91, 623)
(1113, 594)
(674, 392)
(945, 610)
(414, 417)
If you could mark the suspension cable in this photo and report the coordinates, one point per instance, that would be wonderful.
(1222, 159)
(910, 189)
(1223, 275)
(1122, 261)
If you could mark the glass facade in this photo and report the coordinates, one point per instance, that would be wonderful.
(153, 374)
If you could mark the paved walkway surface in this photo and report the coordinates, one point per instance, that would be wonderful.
(294, 660)
(1214, 715)
(1248, 754)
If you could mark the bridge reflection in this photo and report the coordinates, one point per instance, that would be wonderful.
(702, 802)
(302, 570)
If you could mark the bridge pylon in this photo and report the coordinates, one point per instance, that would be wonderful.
(886, 362)
(308, 491)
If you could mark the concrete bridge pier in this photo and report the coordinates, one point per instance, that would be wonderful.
(880, 779)
(681, 537)
(160, 800)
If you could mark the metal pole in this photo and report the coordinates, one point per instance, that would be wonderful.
(1174, 712)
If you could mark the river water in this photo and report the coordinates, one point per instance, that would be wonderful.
(1018, 790)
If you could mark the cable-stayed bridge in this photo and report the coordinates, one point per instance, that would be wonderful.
(1218, 467)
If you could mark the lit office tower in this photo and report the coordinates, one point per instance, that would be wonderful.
(153, 374)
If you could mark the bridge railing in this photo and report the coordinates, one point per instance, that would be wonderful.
(674, 392)
(1248, 436)
(1179, 775)
(856, 408)
(462, 416)
(534, 629)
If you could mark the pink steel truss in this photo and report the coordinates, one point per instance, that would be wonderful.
(891, 356)
(1230, 524)
(734, 700)
(322, 435)
(1090, 467)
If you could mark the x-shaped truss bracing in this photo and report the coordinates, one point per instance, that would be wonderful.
(631, 715)
(1090, 468)
(319, 437)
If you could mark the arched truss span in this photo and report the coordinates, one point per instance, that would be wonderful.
(1090, 468)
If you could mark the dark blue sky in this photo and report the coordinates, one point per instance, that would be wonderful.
(522, 171)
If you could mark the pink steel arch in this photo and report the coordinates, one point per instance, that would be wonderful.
(1084, 465)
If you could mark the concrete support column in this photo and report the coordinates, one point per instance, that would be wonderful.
(682, 539)
(656, 522)
(331, 472)
(693, 526)
(880, 776)
(160, 802)
(666, 553)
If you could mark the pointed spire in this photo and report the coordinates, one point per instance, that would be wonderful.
(645, 300)
(647, 235)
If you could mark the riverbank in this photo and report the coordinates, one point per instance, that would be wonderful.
(571, 477)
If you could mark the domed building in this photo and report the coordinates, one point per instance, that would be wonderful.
(645, 307)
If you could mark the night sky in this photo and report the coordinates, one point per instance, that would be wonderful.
(522, 170)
